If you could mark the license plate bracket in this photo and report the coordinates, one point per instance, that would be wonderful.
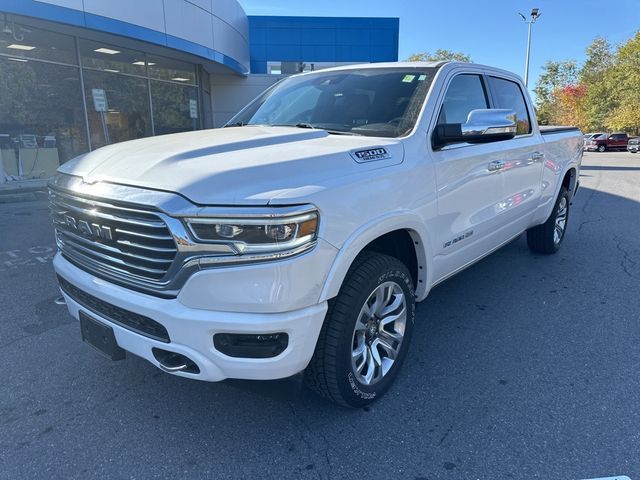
(100, 337)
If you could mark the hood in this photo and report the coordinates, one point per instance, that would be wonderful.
(250, 165)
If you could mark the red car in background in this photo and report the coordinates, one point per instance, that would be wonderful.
(614, 141)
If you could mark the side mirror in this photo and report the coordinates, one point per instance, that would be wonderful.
(482, 126)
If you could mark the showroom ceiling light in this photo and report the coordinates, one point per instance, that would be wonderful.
(108, 51)
(180, 79)
(18, 59)
(111, 70)
(141, 63)
(18, 46)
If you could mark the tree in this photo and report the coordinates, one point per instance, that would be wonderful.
(623, 84)
(439, 55)
(594, 71)
(599, 60)
(555, 76)
(599, 96)
(570, 105)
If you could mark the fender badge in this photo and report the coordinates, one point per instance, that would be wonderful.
(370, 154)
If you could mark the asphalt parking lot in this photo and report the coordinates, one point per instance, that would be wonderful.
(521, 367)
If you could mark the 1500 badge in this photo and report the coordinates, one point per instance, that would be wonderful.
(371, 154)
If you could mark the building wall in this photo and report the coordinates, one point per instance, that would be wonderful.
(217, 30)
(231, 93)
(321, 39)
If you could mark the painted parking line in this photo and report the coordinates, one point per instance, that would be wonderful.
(28, 257)
(621, 477)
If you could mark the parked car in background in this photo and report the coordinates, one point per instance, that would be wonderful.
(634, 145)
(590, 136)
(614, 141)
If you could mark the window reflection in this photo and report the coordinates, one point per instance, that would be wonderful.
(172, 70)
(111, 58)
(43, 120)
(175, 107)
(126, 114)
(41, 117)
(23, 41)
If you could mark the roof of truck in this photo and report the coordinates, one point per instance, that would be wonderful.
(411, 65)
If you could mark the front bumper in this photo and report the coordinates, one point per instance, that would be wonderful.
(633, 148)
(191, 330)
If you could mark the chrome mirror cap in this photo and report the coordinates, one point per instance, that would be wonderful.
(490, 122)
(482, 126)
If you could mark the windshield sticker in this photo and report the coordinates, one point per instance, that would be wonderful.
(422, 77)
(408, 78)
(371, 154)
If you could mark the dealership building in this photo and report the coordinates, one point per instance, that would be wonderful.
(76, 75)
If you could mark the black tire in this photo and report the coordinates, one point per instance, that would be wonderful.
(602, 148)
(542, 238)
(330, 372)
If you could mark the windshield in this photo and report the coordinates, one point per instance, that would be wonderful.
(373, 102)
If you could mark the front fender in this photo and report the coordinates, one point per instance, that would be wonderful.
(375, 228)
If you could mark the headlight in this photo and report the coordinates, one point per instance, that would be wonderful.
(258, 235)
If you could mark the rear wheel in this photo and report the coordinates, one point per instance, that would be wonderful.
(547, 238)
(366, 333)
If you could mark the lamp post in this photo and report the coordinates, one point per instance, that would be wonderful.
(535, 15)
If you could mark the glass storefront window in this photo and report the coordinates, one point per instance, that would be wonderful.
(44, 119)
(117, 107)
(41, 118)
(175, 107)
(111, 58)
(164, 68)
(25, 42)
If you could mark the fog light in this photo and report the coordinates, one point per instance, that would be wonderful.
(265, 345)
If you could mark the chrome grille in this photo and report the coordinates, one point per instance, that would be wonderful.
(112, 238)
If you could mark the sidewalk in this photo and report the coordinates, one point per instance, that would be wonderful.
(20, 191)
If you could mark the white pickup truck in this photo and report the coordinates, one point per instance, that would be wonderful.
(301, 236)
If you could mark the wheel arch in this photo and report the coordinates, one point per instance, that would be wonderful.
(403, 237)
(569, 180)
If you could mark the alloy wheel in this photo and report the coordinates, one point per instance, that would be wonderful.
(378, 333)
(561, 221)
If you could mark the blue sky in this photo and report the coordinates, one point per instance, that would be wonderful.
(490, 31)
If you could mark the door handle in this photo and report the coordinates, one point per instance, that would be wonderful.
(537, 156)
(495, 166)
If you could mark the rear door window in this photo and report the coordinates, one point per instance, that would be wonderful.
(507, 94)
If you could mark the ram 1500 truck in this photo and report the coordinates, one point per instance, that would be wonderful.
(301, 236)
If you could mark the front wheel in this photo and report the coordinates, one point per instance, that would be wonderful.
(602, 148)
(366, 333)
(547, 238)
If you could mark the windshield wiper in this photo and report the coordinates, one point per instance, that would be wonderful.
(314, 127)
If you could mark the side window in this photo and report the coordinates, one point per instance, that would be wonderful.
(507, 94)
(465, 93)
